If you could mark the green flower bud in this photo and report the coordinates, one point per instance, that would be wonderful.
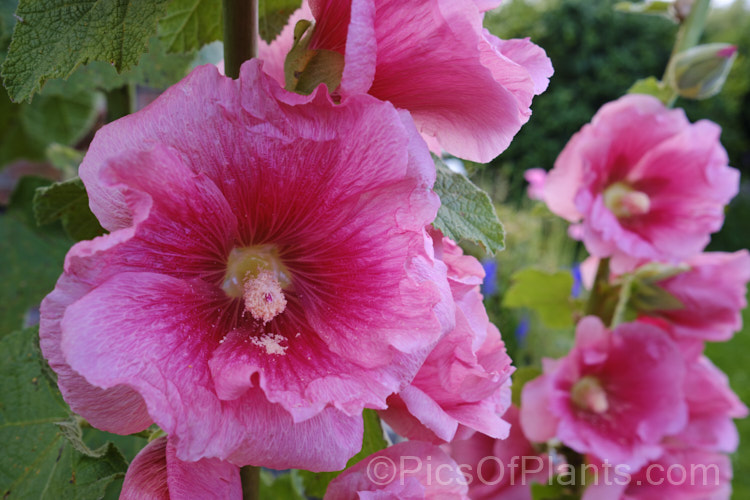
(700, 72)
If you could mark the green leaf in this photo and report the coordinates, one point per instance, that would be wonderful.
(190, 24)
(37, 460)
(372, 442)
(548, 294)
(53, 37)
(466, 212)
(305, 69)
(64, 158)
(653, 87)
(274, 15)
(522, 375)
(31, 258)
(55, 116)
(156, 69)
(283, 487)
(69, 202)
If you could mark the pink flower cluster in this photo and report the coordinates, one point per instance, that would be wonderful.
(270, 268)
(647, 188)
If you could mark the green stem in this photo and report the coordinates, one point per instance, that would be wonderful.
(250, 478)
(688, 35)
(623, 300)
(240, 34)
(120, 102)
(692, 29)
(597, 297)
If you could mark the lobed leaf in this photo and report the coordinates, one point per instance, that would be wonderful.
(190, 24)
(466, 212)
(53, 37)
(31, 258)
(67, 201)
(38, 461)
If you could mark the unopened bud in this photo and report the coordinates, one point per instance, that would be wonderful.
(700, 72)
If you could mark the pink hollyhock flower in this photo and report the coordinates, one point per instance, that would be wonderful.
(267, 274)
(411, 470)
(536, 178)
(712, 405)
(678, 474)
(157, 474)
(616, 395)
(464, 385)
(647, 184)
(501, 468)
(713, 293)
(468, 91)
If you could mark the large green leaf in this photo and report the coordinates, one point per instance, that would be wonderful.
(274, 15)
(53, 37)
(372, 442)
(466, 212)
(156, 69)
(190, 24)
(69, 202)
(548, 294)
(59, 115)
(31, 259)
(37, 460)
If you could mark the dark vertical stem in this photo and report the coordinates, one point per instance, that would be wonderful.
(597, 297)
(240, 34)
(250, 478)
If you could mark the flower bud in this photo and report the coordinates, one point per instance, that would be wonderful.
(700, 72)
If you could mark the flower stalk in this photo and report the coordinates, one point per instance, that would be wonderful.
(240, 34)
(250, 479)
(688, 36)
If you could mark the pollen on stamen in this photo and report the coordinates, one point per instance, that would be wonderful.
(263, 295)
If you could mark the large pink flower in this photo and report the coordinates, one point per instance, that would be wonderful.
(713, 293)
(267, 275)
(468, 91)
(502, 469)
(464, 385)
(157, 474)
(411, 470)
(615, 395)
(647, 184)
